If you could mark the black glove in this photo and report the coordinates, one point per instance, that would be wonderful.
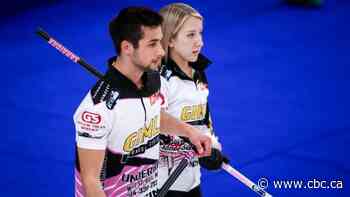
(214, 161)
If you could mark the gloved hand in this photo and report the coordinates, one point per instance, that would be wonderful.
(214, 161)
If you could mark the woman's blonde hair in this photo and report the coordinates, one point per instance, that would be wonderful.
(174, 16)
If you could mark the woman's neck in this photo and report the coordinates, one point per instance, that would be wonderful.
(182, 63)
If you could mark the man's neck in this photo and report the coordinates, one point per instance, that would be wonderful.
(128, 69)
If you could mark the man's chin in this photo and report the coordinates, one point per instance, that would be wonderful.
(153, 68)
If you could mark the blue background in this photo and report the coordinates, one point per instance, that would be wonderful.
(279, 91)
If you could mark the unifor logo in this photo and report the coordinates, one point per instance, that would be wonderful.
(91, 117)
(113, 96)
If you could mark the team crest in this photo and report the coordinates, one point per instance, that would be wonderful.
(201, 85)
(168, 74)
(153, 99)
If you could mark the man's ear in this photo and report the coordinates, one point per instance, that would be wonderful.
(126, 47)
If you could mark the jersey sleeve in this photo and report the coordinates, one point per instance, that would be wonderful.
(209, 123)
(164, 92)
(93, 123)
(212, 135)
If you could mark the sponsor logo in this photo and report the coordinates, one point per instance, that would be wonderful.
(88, 135)
(140, 175)
(175, 146)
(91, 118)
(138, 137)
(90, 126)
(194, 112)
(63, 50)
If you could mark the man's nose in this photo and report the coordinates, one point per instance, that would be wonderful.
(161, 51)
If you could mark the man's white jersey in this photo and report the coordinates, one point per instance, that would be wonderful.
(124, 121)
(187, 101)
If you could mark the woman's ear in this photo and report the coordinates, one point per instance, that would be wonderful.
(171, 42)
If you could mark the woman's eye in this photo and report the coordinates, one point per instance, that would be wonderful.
(191, 35)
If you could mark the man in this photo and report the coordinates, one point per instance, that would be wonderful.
(119, 120)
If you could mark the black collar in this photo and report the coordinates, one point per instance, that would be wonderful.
(126, 88)
(200, 65)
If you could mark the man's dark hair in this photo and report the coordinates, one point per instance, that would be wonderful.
(127, 25)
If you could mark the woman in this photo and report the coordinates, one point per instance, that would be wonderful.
(184, 69)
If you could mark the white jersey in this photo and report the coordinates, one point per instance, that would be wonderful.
(117, 117)
(187, 101)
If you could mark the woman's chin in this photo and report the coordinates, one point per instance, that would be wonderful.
(193, 58)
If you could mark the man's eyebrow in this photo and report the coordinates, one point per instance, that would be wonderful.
(154, 40)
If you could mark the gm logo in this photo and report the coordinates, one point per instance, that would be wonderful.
(91, 118)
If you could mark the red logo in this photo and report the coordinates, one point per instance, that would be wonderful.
(162, 98)
(91, 117)
(155, 97)
(202, 86)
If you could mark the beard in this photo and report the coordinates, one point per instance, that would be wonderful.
(147, 68)
(153, 65)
